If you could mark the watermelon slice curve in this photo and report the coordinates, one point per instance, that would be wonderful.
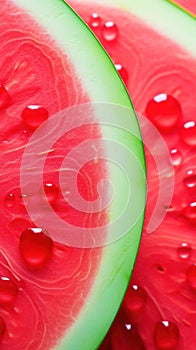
(154, 51)
(53, 294)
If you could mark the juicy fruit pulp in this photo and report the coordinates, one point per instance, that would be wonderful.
(160, 76)
(41, 75)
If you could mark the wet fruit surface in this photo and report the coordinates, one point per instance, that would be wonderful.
(35, 271)
(159, 303)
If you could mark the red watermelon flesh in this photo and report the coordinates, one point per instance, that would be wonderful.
(33, 71)
(158, 311)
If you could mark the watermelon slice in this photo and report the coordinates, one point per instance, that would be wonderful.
(68, 134)
(153, 46)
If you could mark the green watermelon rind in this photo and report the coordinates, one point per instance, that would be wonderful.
(103, 85)
(173, 19)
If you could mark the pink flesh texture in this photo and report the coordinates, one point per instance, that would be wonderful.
(157, 65)
(35, 71)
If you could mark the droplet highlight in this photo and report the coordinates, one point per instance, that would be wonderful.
(109, 31)
(35, 247)
(191, 276)
(190, 180)
(164, 111)
(4, 97)
(8, 291)
(184, 250)
(176, 157)
(34, 116)
(166, 335)
(188, 133)
(122, 72)
(10, 201)
(95, 20)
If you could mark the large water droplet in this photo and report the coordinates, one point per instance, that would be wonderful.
(109, 31)
(4, 96)
(35, 247)
(164, 111)
(8, 291)
(166, 335)
(95, 20)
(34, 116)
(184, 250)
(176, 157)
(2, 328)
(190, 180)
(191, 276)
(188, 133)
(190, 212)
(122, 72)
(51, 192)
(134, 302)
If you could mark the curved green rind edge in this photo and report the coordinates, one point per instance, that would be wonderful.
(103, 84)
(165, 16)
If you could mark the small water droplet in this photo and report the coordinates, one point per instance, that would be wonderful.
(51, 192)
(34, 116)
(134, 302)
(190, 180)
(176, 157)
(190, 212)
(184, 250)
(2, 327)
(191, 276)
(4, 96)
(166, 335)
(10, 201)
(8, 291)
(188, 133)
(122, 72)
(35, 247)
(164, 111)
(109, 31)
(95, 20)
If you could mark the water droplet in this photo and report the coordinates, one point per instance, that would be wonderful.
(176, 157)
(10, 201)
(2, 327)
(95, 20)
(8, 291)
(35, 247)
(134, 302)
(51, 192)
(188, 133)
(34, 116)
(190, 180)
(191, 276)
(122, 72)
(4, 97)
(164, 111)
(184, 250)
(166, 335)
(190, 212)
(125, 336)
(109, 31)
